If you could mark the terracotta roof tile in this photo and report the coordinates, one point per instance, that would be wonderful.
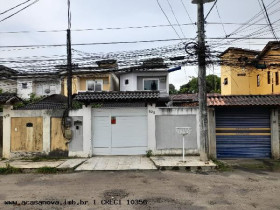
(8, 98)
(244, 100)
(55, 101)
(231, 100)
(117, 96)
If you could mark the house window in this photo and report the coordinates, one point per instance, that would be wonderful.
(24, 85)
(258, 80)
(225, 81)
(52, 89)
(151, 84)
(268, 77)
(277, 78)
(90, 85)
(94, 85)
(98, 86)
(126, 82)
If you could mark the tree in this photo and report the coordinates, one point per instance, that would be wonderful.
(172, 89)
(213, 85)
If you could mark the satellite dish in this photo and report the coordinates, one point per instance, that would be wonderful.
(47, 91)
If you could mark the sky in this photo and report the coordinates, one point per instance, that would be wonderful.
(92, 14)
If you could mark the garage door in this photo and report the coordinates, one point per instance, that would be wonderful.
(119, 131)
(243, 133)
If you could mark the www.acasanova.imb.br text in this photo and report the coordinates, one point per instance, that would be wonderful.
(79, 202)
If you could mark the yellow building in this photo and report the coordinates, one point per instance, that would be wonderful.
(94, 79)
(249, 72)
(94, 82)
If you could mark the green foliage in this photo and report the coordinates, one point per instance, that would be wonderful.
(42, 158)
(172, 89)
(1, 107)
(96, 105)
(221, 166)
(19, 105)
(213, 85)
(47, 170)
(149, 153)
(33, 98)
(77, 105)
(10, 170)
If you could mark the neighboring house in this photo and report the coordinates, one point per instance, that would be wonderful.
(40, 84)
(249, 72)
(6, 99)
(34, 129)
(94, 79)
(150, 76)
(8, 83)
(240, 126)
(25, 84)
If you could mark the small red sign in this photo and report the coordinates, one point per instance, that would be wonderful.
(113, 120)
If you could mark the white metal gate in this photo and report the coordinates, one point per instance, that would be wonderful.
(119, 131)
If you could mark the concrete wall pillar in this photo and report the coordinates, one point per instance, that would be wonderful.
(86, 113)
(151, 127)
(274, 134)
(212, 133)
(7, 131)
(46, 133)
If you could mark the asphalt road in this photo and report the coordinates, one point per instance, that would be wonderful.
(142, 190)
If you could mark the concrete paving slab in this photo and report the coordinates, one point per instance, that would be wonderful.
(115, 163)
(71, 163)
(3, 163)
(175, 162)
(88, 165)
(33, 165)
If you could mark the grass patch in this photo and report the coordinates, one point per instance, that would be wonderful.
(221, 166)
(255, 166)
(270, 165)
(10, 170)
(47, 170)
(149, 153)
(42, 158)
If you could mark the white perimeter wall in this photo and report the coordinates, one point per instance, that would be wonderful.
(85, 112)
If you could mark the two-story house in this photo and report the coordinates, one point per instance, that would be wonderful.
(250, 72)
(94, 79)
(120, 119)
(153, 75)
(8, 81)
(39, 84)
(25, 84)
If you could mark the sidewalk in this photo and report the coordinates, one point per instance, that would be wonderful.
(117, 163)
(29, 164)
(191, 163)
(114, 163)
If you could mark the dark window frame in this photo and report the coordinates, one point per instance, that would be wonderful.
(277, 78)
(24, 85)
(225, 81)
(268, 77)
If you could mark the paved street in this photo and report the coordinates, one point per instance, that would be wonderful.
(159, 190)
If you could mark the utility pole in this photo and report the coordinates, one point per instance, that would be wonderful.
(69, 59)
(202, 94)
